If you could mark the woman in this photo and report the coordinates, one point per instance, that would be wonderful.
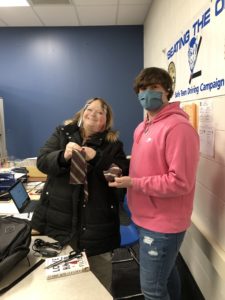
(63, 213)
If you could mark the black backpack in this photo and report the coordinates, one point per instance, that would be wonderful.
(15, 239)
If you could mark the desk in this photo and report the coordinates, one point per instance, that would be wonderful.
(9, 208)
(82, 286)
(33, 179)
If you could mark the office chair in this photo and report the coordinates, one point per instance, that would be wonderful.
(129, 238)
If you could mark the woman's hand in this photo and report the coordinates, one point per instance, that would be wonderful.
(121, 182)
(90, 153)
(70, 147)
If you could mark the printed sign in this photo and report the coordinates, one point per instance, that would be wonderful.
(196, 59)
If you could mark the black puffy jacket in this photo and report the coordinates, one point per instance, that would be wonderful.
(62, 213)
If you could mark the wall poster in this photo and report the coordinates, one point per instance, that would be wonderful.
(196, 59)
(206, 128)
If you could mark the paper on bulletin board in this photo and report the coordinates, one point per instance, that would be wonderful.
(206, 128)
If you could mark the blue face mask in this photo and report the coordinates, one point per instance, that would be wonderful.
(150, 100)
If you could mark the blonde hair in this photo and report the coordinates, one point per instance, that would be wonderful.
(112, 136)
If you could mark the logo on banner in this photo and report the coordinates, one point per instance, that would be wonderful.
(193, 50)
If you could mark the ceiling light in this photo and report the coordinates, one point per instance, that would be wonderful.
(7, 3)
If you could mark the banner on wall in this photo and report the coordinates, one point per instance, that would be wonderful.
(196, 59)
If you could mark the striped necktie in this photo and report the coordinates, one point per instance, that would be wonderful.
(78, 171)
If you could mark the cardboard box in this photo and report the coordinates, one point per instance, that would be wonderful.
(34, 172)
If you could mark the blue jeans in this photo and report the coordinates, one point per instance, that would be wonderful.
(158, 274)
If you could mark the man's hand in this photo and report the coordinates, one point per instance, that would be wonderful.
(121, 182)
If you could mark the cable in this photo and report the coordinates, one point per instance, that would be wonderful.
(42, 248)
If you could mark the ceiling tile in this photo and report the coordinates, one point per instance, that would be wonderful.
(19, 16)
(95, 2)
(97, 15)
(137, 2)
(76, 13)
(132, 14)
(57, 15)
(46, 2)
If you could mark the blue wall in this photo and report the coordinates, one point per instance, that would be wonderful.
(48, 73)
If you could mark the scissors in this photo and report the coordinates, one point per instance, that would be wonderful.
(72, 255)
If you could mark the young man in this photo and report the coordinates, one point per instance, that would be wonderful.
(161, 183)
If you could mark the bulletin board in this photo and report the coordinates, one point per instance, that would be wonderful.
(191, 110)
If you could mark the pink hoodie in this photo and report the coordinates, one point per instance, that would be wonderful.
(163, 167)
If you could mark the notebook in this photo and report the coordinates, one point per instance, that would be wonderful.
(21, 198)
